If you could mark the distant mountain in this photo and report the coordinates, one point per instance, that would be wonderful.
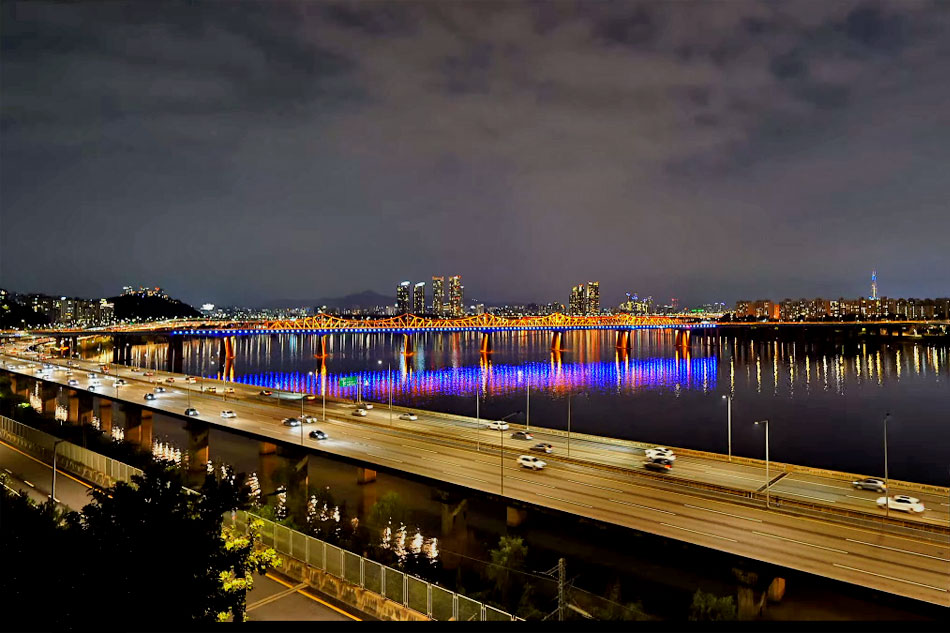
(365, 299)
(150, 308)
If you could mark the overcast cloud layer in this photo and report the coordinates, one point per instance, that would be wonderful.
(240, 152)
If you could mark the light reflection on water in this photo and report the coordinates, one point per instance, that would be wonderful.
(825, 402)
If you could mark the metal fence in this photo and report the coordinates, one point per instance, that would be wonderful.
(105, 471)
(415, 593)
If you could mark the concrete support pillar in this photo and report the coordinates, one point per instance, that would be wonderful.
(102, 408)
(365, 475)
(516, 516)
(84, 410)
(557, 341)
(623, 339)
(287, 467)
(199, 449)
(485, 347)
(138, 426)
(408, 344)
(72, 404)
(321, 347)
(49, 393)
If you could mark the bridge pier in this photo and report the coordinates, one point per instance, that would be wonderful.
(516, 516)
(198, 451)
(682, 338)
(321, 346)
(102, 409)
(623, 339)
(72, 407)
(49, 395)
(286, 466)
(408, 344)
(84, 406)
(557, 341)
(485, 347)
(365, 475)
(138, 426)
(175, 360)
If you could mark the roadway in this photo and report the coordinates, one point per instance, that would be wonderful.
(606, 488)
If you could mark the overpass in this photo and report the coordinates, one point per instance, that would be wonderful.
(800, 518)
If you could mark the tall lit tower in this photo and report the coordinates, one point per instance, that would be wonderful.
(402, 298)
(438, 294)
(874, 284)
(455, 295)
(593, 298)
(419, 298)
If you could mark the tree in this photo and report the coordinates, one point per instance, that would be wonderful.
(248, 557)
(388, 509)
(510, 555)
(151, 542)
(613, 608)
(707, 606)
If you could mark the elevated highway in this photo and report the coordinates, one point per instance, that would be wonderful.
(821, 526)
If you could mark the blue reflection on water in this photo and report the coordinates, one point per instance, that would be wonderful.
(627, 375)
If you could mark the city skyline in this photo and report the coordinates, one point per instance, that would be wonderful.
(690, 150)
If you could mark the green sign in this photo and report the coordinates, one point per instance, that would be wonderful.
(349, 381)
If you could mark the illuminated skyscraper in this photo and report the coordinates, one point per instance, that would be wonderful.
(402, 298)
(873, 284)
(593, 298)
(419, 298)
(438, 295)
(455, 295)
(577, 304)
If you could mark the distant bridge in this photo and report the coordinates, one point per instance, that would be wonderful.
(410, 323)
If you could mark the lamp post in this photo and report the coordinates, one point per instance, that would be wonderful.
(527, 402)
(502, 453)
(568, 423)
(478, 422)
(728, 399)
(768, 479)
(887, 487)
(52, 494)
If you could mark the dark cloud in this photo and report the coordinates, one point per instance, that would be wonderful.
(235, 152)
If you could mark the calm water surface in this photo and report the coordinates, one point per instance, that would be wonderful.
(825, 403)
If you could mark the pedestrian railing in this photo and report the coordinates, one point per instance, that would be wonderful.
(410, 591)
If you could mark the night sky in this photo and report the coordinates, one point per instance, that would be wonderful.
(239, 152)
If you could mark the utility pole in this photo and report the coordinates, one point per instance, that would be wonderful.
(561, 578)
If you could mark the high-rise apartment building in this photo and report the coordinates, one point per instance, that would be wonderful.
(576, 305)
(456, 290)
(402, 298)
(419, 298)
(592, 296)
(438, 295)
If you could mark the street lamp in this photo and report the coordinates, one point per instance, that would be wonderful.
(568, 423)
(728, 399)
(887, 487)
(53, 487)
(502, 453)
(768, 479)
(478, 421)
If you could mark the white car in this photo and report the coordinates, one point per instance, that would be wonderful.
(364, 405)
(902, 503)
(409, 416)
(530, 461)
(500, 425)
(72, 382)
(360, 412)
(227, 413)
(306, 418)
(658, 452)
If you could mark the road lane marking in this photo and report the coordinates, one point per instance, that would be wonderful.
(861, 498)
(676, 527)
(910, 582)
(445, 472)
(807, 496)
(398, 461)
(314, 598)
(637, 505)
(583, 505)
(581, 483)
(725, 513)
(9, 472)
(416, 448)
(894, 549)
(28, 484)
(791, 540)
(537, 483)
